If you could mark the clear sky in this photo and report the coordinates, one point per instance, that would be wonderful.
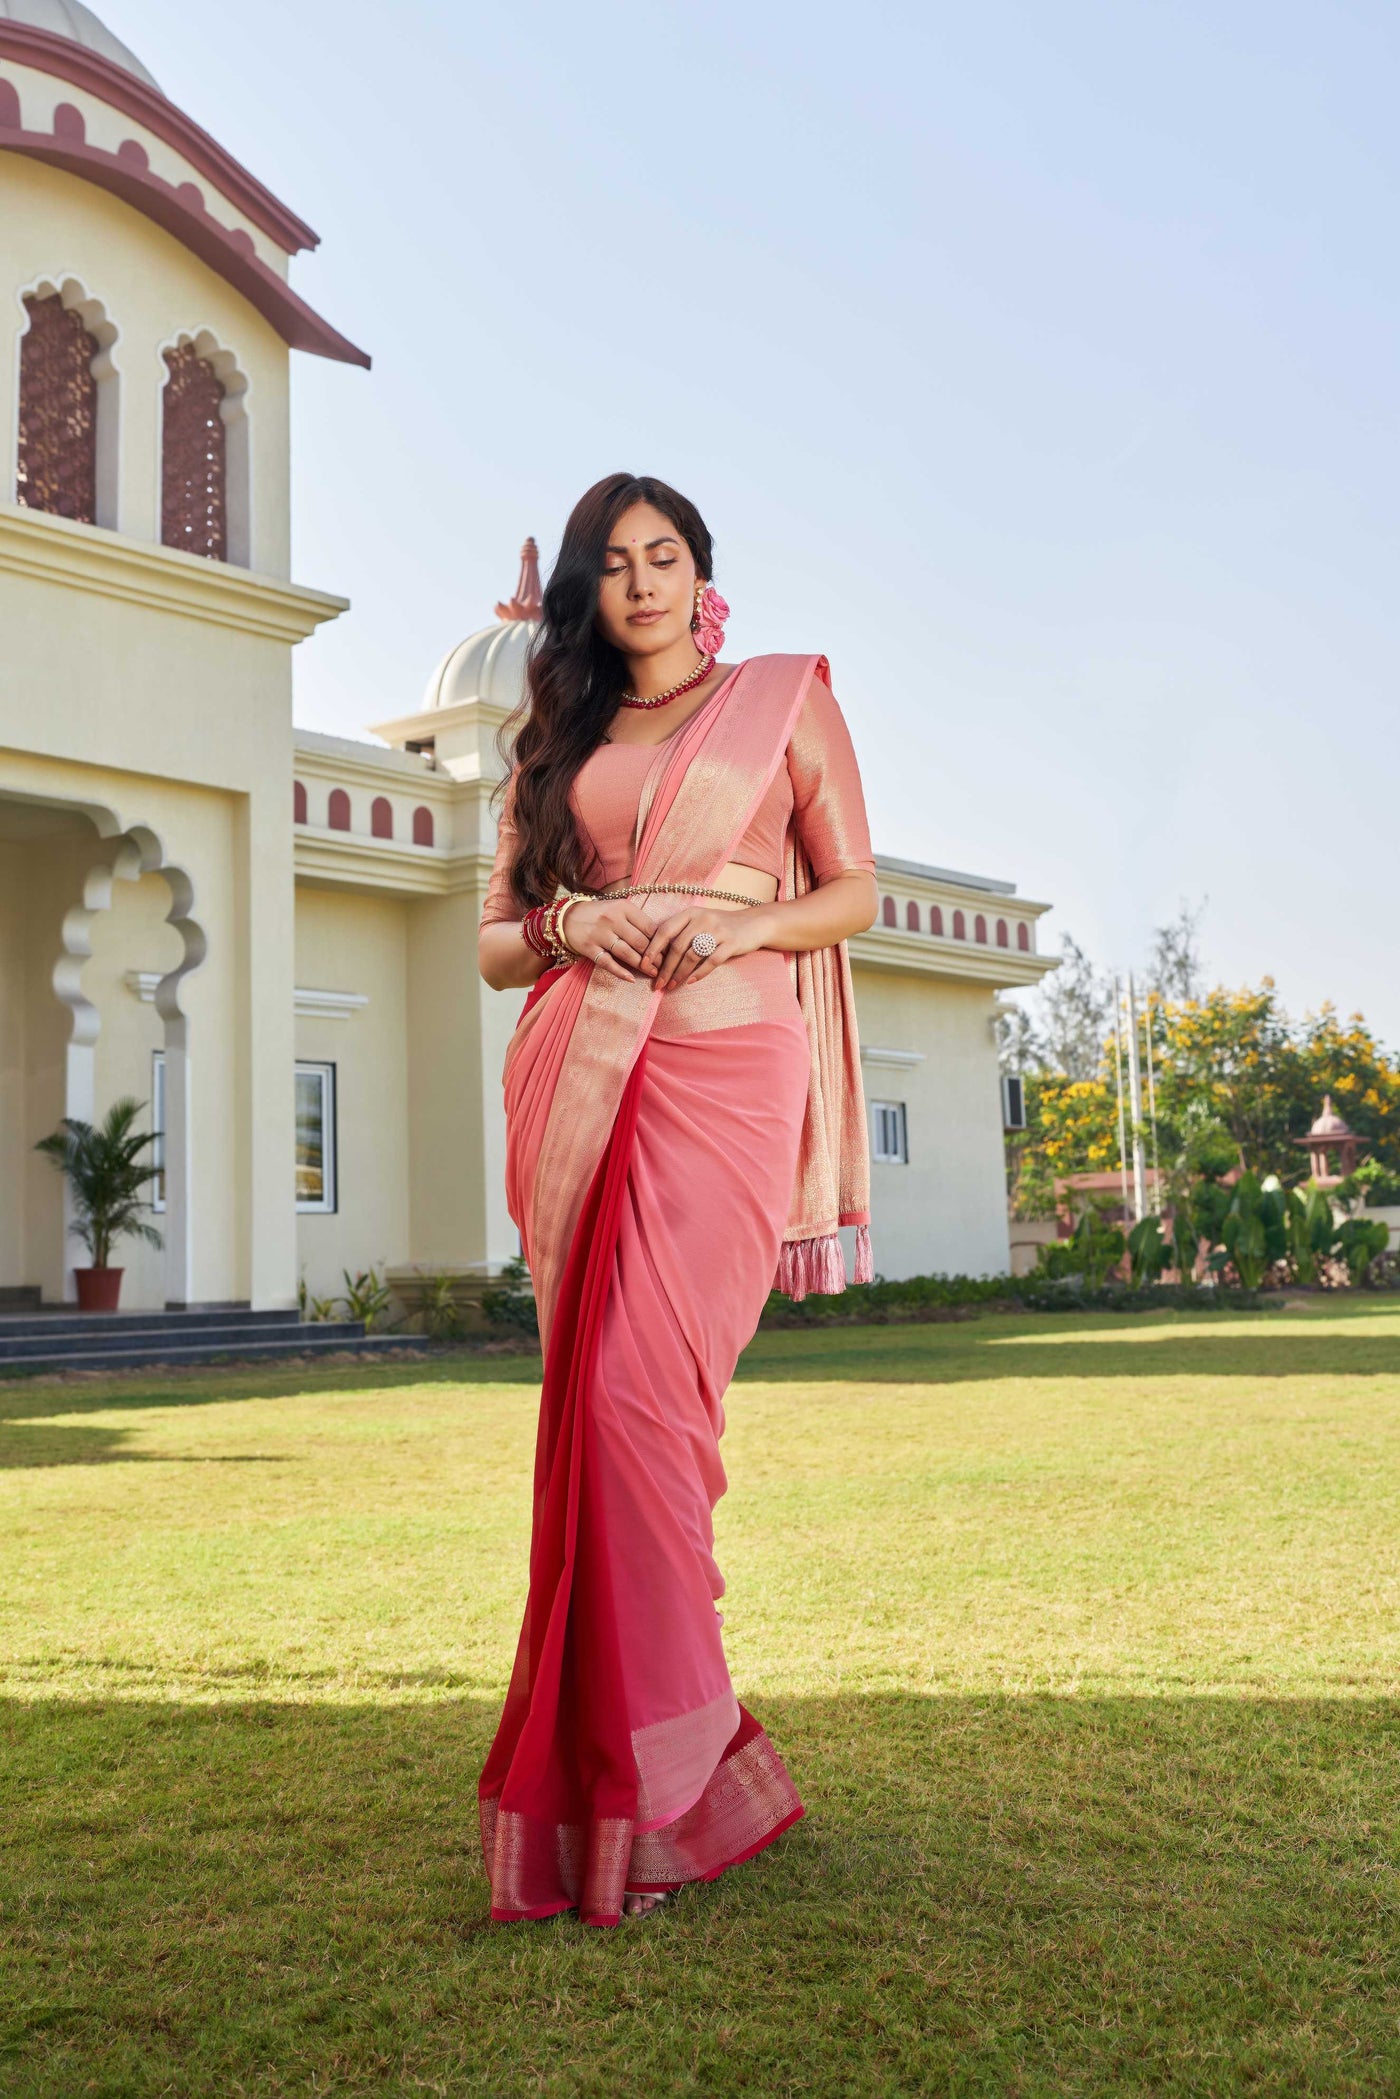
(1037, 363)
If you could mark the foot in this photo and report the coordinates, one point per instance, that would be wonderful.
(640, 1905)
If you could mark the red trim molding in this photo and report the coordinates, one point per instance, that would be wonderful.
(74, 63)
(229, 252)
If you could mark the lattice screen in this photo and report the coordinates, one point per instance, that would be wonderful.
(194, 478)
(56, 467)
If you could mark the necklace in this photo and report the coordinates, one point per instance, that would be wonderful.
(701, 671)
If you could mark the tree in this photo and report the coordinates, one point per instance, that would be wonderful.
(1075, 1014)
(1175, 971)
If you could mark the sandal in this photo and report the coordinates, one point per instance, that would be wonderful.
(643, 1902)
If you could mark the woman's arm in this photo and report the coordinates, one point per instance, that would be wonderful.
(834, 832)
(845, 903)
(612, 935)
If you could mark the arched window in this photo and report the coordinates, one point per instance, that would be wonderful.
(1023, 938)
(338, 816)
(935, 921)
(1003, 938)
(422, 826)
(298, 801)
(381, 817)
(56, 467)
(194, 457)
(980, 929)
(959, 926)
(888, 915)
(911, 916)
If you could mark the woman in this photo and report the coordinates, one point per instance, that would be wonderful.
(683, 847)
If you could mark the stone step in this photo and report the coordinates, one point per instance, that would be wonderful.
(154, 1341)
(65, 1319)
(306, 1341)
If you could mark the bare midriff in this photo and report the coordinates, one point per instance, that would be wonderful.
(750, 881)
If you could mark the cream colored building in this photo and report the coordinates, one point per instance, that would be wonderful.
(270, 934)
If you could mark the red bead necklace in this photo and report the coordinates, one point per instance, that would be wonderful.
(697, 676)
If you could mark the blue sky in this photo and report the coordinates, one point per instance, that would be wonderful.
(1039, 364)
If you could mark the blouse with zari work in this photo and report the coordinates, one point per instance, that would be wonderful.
(819, 786)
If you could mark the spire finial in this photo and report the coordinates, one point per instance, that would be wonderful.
(528, 602)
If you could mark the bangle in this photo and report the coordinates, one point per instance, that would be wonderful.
(542, 927)
(577, 896)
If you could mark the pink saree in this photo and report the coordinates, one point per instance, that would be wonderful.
(669, 1157)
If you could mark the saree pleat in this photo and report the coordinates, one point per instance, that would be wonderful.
(623, 1758)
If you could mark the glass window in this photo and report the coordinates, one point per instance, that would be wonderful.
(890, 1146)
(316, 1188)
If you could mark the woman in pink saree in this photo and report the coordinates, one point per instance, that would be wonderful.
(685, 1129)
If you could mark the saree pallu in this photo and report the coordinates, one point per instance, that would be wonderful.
(652, 1143)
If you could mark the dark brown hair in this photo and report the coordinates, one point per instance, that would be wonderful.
(574, 679)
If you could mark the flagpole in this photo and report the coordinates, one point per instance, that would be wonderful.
(1135, 1097)
(1118, 1077)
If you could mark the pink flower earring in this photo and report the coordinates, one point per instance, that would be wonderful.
(707, 625)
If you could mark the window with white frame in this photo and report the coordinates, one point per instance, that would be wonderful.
(156, 1155)
(316, 1174)
(889, 1133)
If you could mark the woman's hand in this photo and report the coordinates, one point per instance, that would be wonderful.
(670, 958)
(610, 932)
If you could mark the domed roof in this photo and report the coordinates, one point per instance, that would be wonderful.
(1329, 1123)
(81, 26)
(486, 666)
(490, 665)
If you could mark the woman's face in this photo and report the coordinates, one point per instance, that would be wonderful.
(646, 592)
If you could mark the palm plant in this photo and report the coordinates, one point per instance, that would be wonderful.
(107, 1176)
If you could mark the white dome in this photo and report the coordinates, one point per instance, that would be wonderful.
(486, 666)
(80, 25)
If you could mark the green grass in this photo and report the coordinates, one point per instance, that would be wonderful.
(1080, 1636)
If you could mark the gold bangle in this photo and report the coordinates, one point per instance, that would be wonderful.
(575, 896)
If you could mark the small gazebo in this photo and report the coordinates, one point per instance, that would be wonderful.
(1329, 1135)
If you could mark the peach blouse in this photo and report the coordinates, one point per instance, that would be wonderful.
(819, 788)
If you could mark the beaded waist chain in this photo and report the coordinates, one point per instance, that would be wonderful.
(732, 896)
(543, 927)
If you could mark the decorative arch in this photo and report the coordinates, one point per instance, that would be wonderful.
(959, 926)
(979, 930)
(423, 833)
(1003, 938)
(131, 853)
(889, 916)
(66, 435)
(381, 817)
(911, 917)
(935, 921)
(204, 449)
(299, 815)
(338, 810)
(1023, 937)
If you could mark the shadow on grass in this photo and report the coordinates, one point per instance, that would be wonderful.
(1055, 1345)
(989, 1894)
(990, 1348)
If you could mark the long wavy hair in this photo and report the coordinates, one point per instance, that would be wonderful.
(574, 679)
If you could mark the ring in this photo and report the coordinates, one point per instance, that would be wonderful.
(704, 943)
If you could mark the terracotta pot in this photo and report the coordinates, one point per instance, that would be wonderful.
(99, 1288)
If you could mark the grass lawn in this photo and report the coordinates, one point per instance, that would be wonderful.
(1079, 1635)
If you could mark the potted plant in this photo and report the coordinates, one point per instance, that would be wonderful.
(107, 1176)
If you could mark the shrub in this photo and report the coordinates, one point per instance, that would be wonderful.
(512, 1302)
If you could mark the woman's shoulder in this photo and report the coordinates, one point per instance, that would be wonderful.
(813, 669)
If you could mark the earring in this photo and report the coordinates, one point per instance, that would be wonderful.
(707, 622)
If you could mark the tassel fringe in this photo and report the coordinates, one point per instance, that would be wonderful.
(865, 1259)
(811, 1265)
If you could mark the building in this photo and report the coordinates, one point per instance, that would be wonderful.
(269, 934)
